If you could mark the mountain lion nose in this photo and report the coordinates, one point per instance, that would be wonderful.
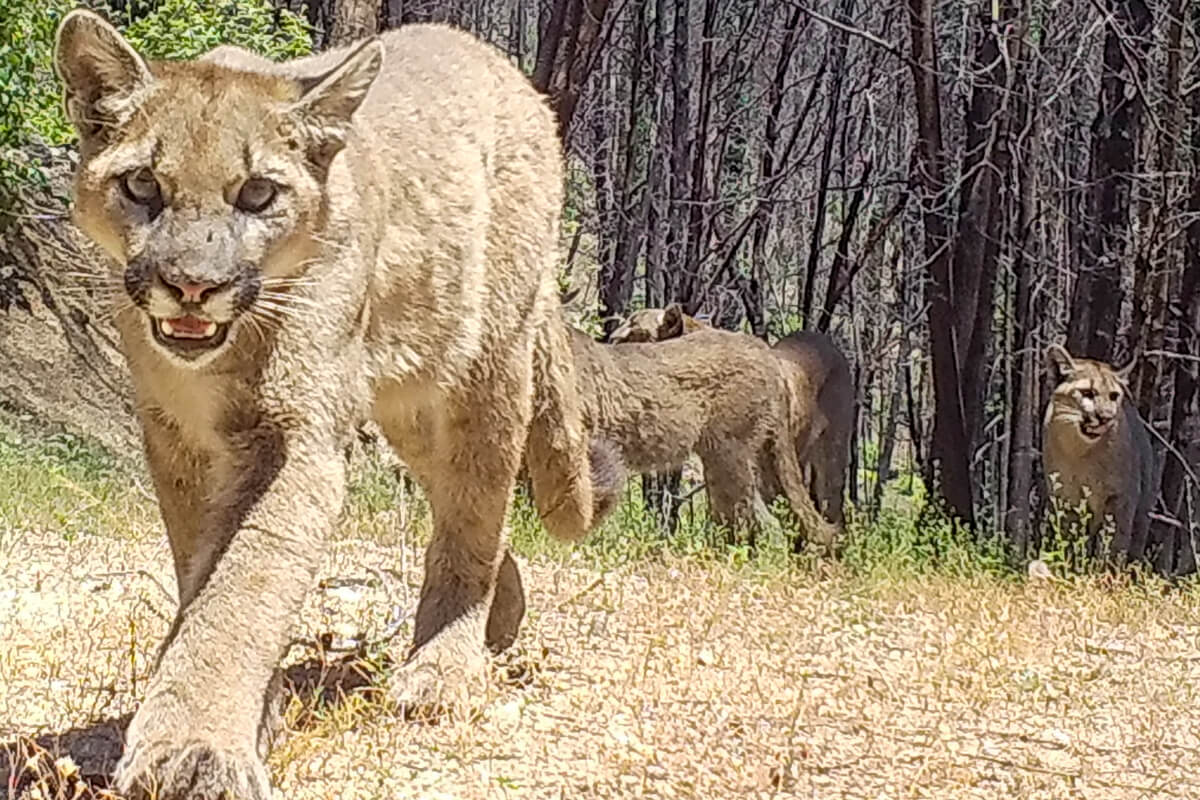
(190, 292)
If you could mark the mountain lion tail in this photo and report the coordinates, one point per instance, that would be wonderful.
(791, 474)
(576, 482)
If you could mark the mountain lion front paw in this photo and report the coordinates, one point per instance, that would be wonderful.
(192, 770)
(447, 675)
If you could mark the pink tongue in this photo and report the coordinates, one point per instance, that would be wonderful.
(189, 324)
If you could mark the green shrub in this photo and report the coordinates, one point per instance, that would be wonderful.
(907, 543)
(30, 97)
(179, 29)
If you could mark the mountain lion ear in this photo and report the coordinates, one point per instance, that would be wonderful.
(104, 78)
(1062, 366)
(671, 326)
(330, 100)
(1124, 372)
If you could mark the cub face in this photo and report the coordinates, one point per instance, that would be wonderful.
(1088, 393)
(204, 184)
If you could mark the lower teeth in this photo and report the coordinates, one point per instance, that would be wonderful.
(167, 329)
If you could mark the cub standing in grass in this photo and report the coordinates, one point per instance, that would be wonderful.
(718, 394)
(822, 432)
(371, 231)
(1096, 450)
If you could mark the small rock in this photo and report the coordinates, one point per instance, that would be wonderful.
(1038, 571)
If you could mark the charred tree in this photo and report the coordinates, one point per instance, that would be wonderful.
(568, 49)
(948, 468)
(1116, 129)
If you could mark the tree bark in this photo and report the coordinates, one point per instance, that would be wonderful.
(353, 20)
(567, 53)
(1179, 492)
(1116, 129)
(976, 257)
(948, 469)
(836, 77)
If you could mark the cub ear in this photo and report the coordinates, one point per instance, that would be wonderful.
(671, 326)
(330, 100)
(1123, 374)
(1061, 365)
(105, 79)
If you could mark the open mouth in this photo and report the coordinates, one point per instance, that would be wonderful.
(1093, 430)
(189, 336)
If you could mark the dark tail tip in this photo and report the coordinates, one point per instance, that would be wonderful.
(608, 478)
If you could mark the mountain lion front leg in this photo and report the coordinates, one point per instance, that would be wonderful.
(508, 607)
(410, 434)
(178, 473)
(1123, 549)
(198, 731)
(473, 468)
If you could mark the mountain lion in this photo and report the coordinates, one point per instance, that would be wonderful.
(721, 395)
(822, 435)
(372, 231)
(1095, 445)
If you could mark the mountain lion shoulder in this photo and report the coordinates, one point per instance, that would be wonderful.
(372, 231)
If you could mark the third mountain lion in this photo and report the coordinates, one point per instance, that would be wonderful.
(1096, 451)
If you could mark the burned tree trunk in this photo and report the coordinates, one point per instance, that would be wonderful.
(948, 467)
(1179, 490)
(567, 53)
(353, 20)
(1116, 129)
(59, 358)
(836, 76)
(980, 217)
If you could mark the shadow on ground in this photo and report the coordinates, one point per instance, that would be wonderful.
(77, 764)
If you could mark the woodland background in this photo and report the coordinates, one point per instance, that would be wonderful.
(946, 187)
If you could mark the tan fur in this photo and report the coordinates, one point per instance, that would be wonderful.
(403, 270)
(826, 409)
(656, 325)
(824, 448)
(1095, 446)
(721, 395)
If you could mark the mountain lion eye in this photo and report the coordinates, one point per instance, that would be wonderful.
(142, 187)
(1114, 396)
(1088, 394)
(256, 194)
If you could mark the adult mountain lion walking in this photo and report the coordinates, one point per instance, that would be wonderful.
(1096, 450)
(372, 230)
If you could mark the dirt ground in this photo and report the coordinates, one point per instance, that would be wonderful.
(669, 679)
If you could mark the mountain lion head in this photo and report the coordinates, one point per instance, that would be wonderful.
(655, 325)
(1088, 394)
(205, 184)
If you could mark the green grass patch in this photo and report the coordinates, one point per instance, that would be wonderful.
(54, 480)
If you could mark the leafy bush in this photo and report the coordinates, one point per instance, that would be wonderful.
(30, 97)
(179, 29)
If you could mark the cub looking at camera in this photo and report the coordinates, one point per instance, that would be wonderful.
(1096, 452)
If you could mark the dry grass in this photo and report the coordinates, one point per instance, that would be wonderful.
(668, 677)
(672, 680)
